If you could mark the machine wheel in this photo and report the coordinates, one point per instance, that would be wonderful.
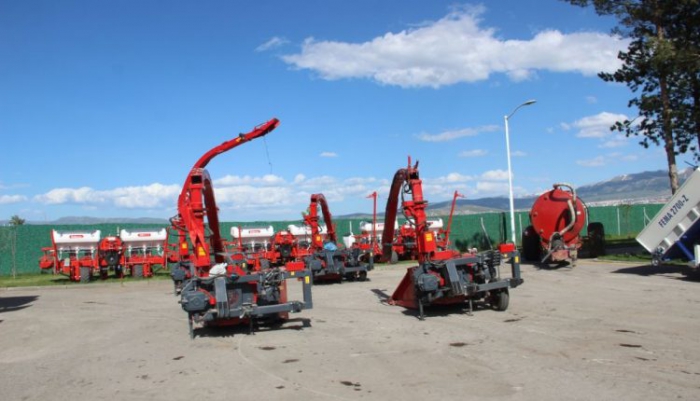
(596, 239)
(394, 258)
(500, 300)
(531, 244)
(85, 273)
(190, 321)
(137, 271)
(362, 276)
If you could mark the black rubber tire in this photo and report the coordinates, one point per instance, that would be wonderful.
(85, 273)
(137, 271)
(500, 301)
(531, 245)
(362, 276)
(596, 239)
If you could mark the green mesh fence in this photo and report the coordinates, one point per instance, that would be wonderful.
(20, 247)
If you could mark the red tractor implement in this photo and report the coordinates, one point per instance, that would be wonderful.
(111, 256)
(285, 250)
(443, 235)
(144, 251)
(557, 218)
(367, 241)
(251, 240)
(224, 289)
(74, 254)
(442, 276)
(326, 261)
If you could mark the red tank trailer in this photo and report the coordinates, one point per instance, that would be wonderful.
(557, 218)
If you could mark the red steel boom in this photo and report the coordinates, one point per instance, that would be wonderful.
(197, 203)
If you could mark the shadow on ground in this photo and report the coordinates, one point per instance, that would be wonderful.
(660, 270)
(12, 304)
(258, 327)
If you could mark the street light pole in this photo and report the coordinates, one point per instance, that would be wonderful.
(510, 171)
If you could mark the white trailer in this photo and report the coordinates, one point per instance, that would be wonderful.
(674, 230)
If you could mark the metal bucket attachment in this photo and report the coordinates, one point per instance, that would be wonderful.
(405, 293)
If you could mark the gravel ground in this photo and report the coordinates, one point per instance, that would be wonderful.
(600, 331)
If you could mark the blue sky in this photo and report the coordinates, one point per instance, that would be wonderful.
(105, 105)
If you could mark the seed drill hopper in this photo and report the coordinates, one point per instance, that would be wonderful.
(73, 254)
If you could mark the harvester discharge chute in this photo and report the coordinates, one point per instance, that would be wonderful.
(217, 288)
(326, 260)
(442, 276)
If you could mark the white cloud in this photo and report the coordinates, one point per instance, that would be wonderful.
(450, 178)
(267, 179)
(473, 153)
(488, 187)
(596, 126)
(591, 99)
(598, 161)
(299, 178)
(455, 134)
(274, 42)
(457, 49)
(328, 154)
(136, 197)
(518, 153)
(7, 199)
(617, 141)
(248, 197)
(495, 175)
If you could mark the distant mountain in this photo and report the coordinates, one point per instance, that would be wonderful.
(645, 187)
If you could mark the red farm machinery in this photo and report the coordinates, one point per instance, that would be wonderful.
(74, 254)
(442, 277)
(218, 288)
(554, 236)
(82, 255)
(406, 240)
(326, 261)
(403, 237)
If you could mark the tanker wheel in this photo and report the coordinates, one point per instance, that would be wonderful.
(85, 274)
(137, 271)
(500, 300)
(531, 245)
(596, 239)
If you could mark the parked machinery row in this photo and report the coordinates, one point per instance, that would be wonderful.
(403, 239)
(82, 255)
(312, 244)
(244, 280)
